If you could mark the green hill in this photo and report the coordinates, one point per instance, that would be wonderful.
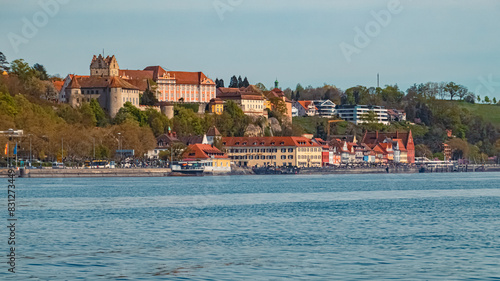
(489, 112)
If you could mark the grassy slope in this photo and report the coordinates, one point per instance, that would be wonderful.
(489, 112)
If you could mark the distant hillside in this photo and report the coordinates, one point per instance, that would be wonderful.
(489, 112)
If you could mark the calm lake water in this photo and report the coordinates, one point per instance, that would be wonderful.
(338, 227)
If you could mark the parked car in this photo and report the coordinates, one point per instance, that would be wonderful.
(58, 165)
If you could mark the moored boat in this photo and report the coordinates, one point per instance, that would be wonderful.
(186, 168)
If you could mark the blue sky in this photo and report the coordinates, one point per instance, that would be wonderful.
(294, 41)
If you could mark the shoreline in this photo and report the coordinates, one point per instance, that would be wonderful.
(164, 172)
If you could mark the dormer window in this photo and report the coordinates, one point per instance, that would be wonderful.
(237, 143)
(282, 143)
(255, 143)
(273, 143)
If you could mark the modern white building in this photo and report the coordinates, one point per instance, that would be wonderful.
(355, 113)
(325, 108)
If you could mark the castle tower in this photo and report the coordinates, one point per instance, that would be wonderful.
(115, 97)
(74, 92)
(104, 66)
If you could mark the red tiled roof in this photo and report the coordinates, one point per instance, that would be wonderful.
(203, 151)
(277, 93)
(184, 77)
(158, 71)
(375, 137)
(136, 74)
(212, 131)
(305, 104)
(74, 84)
(216, 101)
(267, 141)
(58, 85)
(385, 146)
(117, 82)
(78, 76)
(236, 93)
(100, 82)
(401, 145)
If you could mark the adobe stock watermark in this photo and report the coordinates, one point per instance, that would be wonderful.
(40, 19)
(488, 84)
(224, 6)
(363, 37)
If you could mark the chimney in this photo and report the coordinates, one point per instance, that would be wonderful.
(377, 135)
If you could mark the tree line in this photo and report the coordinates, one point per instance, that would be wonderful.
(235, 82)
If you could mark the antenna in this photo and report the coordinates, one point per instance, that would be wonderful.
(378, 80)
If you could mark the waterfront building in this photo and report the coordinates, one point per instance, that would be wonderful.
(209, 156)
(402, 140)
(273, 151)
(326, 153)
(357, 113)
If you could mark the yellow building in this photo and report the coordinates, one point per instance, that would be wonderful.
(250, 102)
(209, 156)
(273, 151)
(216, 106)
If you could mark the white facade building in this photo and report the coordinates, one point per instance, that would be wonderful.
(325, 108)
(355, 113)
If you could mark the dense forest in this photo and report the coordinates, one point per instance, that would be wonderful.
(27, 102)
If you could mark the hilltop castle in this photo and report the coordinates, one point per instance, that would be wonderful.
(113, 86)
(103, 84)
(101, 66)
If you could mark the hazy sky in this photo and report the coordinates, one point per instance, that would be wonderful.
(344, 43)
